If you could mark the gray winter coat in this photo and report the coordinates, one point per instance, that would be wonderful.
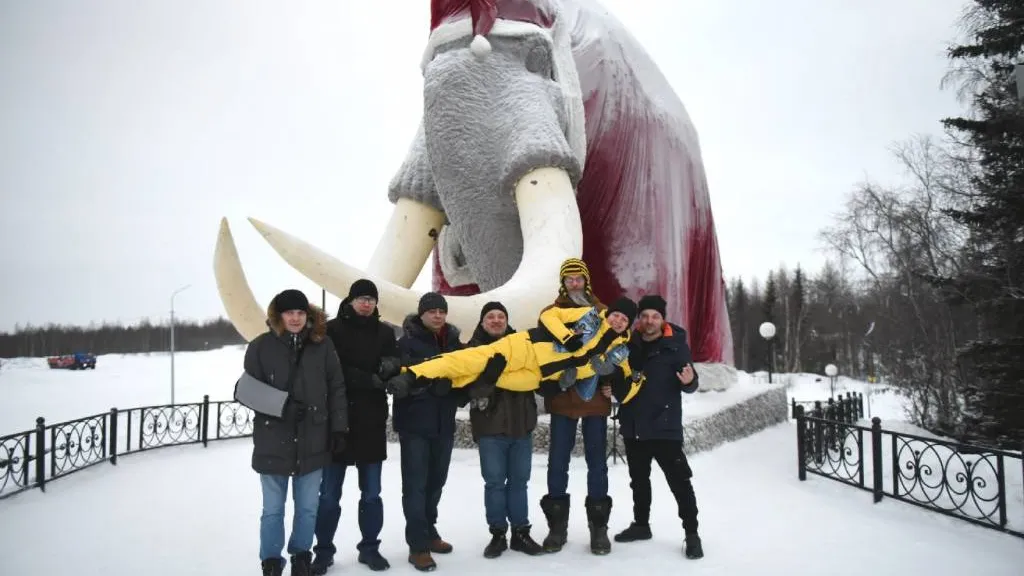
(300, 441)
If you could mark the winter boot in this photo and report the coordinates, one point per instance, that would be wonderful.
(320, 565)
(373, 560)
(598, 511)
(498, 543)
(523, 542)
(422, 561)
(273, 567)
(634, 532)
(694, 549)
(439, 546)
(302, 564)
(556, 510)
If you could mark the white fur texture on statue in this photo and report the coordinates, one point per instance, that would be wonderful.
(715, 376)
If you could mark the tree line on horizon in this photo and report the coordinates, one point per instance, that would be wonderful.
(925, 288)
(144, 337)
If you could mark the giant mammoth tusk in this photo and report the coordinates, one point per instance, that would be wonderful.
(550, 222)
(407, 241)
(243, 311)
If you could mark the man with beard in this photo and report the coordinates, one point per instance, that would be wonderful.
(368, 352)
(424, 420)
(651, 420)
(568, 409)
(502, 422)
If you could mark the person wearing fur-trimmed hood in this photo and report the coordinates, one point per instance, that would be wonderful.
(295, 355)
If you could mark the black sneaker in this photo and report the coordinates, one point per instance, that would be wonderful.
(694, 549)
(374, 561)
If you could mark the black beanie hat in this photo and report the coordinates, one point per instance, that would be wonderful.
(492, 306)
(652, 302)
(625, 306)
(290, 300)
(362, 287)
(432, 301)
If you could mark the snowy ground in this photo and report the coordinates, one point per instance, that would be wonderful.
(188, 510)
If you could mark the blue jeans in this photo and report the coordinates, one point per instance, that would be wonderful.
(505, 464)
(425, 461)
(371, 508)
(563, 440)
(305, 493)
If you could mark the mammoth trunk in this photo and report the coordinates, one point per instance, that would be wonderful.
(487, 123)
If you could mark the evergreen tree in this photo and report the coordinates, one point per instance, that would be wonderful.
(992, 278)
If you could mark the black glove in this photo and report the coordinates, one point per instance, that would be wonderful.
(389, 367)
(574, 343)
(601, 367)
(377, 383)
(440, 386)
(568, 378)
(338, 440)
(400, 385)
(484, 384)
(549, 389)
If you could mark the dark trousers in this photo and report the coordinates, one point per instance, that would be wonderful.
(371, 507)
(672, 461)
(425, 462)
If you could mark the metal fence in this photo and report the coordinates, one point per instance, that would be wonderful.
(849, 408)
(33, 458)
(958, 480)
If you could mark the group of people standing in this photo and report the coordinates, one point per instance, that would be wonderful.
(339, 374)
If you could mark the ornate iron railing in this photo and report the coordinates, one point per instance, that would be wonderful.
(33, 458)
(849, 408)
(958, 480)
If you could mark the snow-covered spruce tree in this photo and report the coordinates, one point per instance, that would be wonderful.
(992, 279)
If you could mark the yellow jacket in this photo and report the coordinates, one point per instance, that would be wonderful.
(531, 355)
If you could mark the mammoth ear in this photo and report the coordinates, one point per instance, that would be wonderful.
(414, 180)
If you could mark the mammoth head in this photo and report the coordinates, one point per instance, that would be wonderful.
(490, 176)
(547, 133)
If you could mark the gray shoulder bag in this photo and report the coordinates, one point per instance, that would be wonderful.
(263, 398)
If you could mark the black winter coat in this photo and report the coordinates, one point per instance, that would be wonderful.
(300, 441)
(508, 413)
(361, 341)
(656, 412)
(426, 414)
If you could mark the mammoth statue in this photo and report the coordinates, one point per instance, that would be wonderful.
(547, 133)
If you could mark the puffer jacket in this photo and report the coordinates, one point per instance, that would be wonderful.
(569, 403)
(361, 342)
(300, 441)
(508, 413)
(425, 414)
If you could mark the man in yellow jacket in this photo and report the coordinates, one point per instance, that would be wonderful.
(568, 344)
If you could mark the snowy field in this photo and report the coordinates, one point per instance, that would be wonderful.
(190, 510)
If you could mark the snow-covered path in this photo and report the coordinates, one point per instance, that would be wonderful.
(189, 510)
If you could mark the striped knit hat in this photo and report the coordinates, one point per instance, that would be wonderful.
(574, 267)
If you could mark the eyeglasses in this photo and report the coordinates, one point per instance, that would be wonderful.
(366, 300)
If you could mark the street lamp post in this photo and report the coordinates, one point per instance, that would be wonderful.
(831, 371)
(767, 331)
(173, 294)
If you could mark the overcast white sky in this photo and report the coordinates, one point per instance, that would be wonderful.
(129, 127)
